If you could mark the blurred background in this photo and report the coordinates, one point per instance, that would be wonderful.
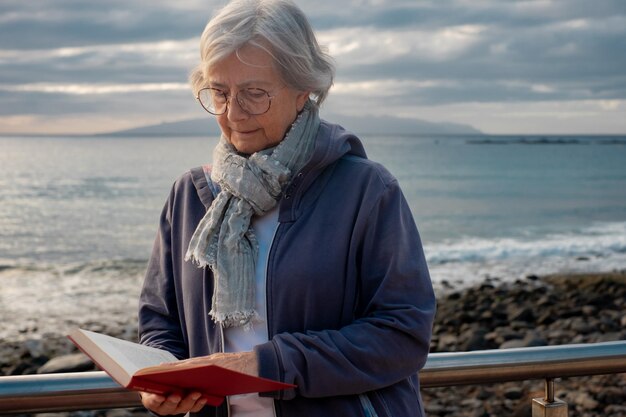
(502, 120)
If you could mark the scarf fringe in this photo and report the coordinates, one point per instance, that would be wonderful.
(235, 319)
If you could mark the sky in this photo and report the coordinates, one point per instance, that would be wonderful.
(501, 66)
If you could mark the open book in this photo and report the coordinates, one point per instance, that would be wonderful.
(138, 367)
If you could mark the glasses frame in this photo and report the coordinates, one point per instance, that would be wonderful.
(229, 98)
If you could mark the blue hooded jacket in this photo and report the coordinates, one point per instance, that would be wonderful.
(350, 303)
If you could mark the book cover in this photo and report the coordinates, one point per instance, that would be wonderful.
(143, 368)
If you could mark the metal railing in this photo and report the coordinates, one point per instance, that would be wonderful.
(95, 390)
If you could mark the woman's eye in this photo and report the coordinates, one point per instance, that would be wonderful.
(218, 96)
(255, 93)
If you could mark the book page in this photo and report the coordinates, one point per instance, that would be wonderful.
(130, 356)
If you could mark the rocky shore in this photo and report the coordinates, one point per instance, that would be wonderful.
(497, 314)
(551, 310)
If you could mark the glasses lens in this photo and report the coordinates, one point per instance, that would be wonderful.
(254, 100)
(213, 100)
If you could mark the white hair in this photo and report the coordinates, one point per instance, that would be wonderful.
(280, 28)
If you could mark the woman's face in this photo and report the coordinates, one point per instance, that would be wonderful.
(252, 67)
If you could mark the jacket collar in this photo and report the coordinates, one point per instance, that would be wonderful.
(331, 144)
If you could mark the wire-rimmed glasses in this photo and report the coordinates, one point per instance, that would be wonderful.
(254, 101)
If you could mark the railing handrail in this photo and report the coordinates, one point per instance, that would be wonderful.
(96, 390)
(520, 364)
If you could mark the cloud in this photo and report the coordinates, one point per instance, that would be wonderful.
(364, 46)
(38, 24)
(94, 89)
(131, 59)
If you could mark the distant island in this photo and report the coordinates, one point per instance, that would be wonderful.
(360, 125)
(541, 140)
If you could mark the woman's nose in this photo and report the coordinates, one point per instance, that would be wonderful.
(235, 111)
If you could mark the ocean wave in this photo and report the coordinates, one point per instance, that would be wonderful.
(118, 266)
(54, 298)
(598, 240)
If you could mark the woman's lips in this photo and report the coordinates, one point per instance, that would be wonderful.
(245, 132)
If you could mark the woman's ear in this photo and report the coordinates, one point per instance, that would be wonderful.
(301, 99)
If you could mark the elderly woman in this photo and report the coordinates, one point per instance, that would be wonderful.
(292, 257)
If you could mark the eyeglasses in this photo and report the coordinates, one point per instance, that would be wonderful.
(254, 101)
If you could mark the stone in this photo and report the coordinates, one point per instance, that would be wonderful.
(35, 348)
(582, 326)
(513, 393)
(545, 318)
(534, 339)
(435, 410)
(475, 340)
(589, 310)
(585, 401)
(76, 362)
(512, 344)
(120, 413)
(607, 337)
(446, 343)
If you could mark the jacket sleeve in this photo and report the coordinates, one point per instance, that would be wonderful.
(159, 322)
(389, 338)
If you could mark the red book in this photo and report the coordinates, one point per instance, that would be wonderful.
(144, 368)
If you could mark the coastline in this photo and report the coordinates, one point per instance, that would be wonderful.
(493, 314)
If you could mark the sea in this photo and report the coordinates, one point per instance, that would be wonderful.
(78, 215)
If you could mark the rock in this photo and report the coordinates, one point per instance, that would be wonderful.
(446, 343)
(602, 300)
(471, 403)
(119, 413)
(582, 326)
(531, 339)
(589, 310)
(512, 344)
(435, 410)
(474, 339)
(608, 337)
(547, 318)
(483, 394)
(76, 362)
(612, 395)
(513, 393)
(585, 401)
(35, 348)
(521, 325)
(22, 368)
(568, 312)
(535, 339)
(615, 410)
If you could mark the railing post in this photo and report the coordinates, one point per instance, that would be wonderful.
(549, 406)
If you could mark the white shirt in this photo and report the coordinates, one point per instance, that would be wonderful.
(236, 339)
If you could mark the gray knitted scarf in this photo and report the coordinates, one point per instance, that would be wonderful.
(224, 239)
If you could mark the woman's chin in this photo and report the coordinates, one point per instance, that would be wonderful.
(249, 143)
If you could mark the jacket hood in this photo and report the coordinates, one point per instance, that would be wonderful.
(332, 143)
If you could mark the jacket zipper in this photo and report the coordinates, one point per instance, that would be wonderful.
(368, 407)
(267, 304)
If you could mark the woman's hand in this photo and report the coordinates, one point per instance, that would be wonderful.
(245, 362)
(173, 403)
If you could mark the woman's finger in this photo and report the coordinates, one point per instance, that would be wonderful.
(151, 401)
(194, 402)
